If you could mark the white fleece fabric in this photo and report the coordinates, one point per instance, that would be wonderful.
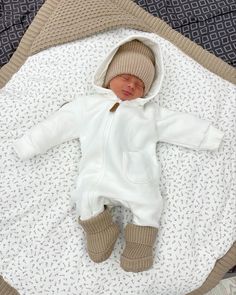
(119, 163)
(42, 246)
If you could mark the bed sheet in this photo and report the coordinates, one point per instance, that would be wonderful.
(209, 23)
(15, 18)
(42, 245)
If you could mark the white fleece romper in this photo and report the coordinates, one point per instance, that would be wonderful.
(119, 164)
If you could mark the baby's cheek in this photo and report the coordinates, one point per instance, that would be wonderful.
(140, 93)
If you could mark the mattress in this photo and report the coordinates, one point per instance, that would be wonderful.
(42, 245)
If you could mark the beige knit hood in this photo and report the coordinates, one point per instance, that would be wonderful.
(159, 71)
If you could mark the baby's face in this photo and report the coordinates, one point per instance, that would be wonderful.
(127, 87)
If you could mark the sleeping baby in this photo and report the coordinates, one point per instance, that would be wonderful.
(119, 127)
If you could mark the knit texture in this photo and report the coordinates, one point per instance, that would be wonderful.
(101, 235)
(133, 58)
(138, 253)
(6, 289)
(220, 268)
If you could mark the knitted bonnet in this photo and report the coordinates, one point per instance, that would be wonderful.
(134, 58)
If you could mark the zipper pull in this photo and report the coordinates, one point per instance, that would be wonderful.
(114, 107)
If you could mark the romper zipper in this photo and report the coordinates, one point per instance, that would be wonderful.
(106, 135)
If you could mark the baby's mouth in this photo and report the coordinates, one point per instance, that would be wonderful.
(127, 93)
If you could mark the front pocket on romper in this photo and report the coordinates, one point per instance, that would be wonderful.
(139, 168)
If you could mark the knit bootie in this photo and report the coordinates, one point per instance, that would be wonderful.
(138, 252)
(101, 234)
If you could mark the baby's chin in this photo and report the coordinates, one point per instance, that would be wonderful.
(127, 98)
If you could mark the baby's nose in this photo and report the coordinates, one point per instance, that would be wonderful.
(131, 85)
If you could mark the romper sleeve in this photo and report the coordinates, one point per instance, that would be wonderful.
(63, 125)
(187, 130)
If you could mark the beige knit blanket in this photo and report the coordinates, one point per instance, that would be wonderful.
(63, 21)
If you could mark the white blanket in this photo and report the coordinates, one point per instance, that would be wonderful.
(42, 247)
